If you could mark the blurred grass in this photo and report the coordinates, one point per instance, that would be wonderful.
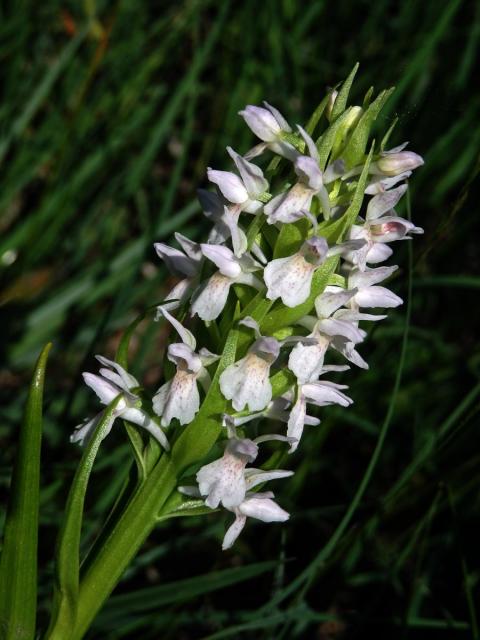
(110, 114)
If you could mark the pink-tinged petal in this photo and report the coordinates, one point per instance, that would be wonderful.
(259, 476)
(278, 117)
(377, 297)
(230, 185)
(263, 509)
(187, 336)
(392, 163)
(208, 302)
(335, 327)
(246, 383)
(177, 262)
(251, 175)
(309, 173)
(233, 531)
(192, 249)
(384, 202)
(311, 146)
(178, 398)
(324, 393)
(262, 122)
(329, 301)
(363, 279)
(105, 390)
(391, 228)
(306, 362)
(315, 250)
(285, 206)
(223, 482)
(378, 253)
(289, 279)
(184, 357)
(296, 422)
(223, 258)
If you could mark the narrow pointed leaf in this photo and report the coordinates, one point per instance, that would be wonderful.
(68, 544)
(341, 101)
(18, 564)
(357, 144)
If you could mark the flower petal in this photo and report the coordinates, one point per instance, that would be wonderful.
(263, 509)
(233, 531)
(208, 302)
(246, 383)
(384, 202)
(306, 362)
(251, 175)
(289, 279)
(230, 185)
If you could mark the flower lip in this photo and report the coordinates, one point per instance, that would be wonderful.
(244, 448)
(266, 348)
(314, 250)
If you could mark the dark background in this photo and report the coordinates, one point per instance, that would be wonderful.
(109, 115)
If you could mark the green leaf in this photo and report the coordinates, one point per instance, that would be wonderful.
(355, 149)
(179, 591)
(68, 545)
(18, 564)
(335, 231)
(342, 97)
(317, 114)
(290, 238)
(327, 139)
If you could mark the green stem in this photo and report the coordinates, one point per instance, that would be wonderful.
(121, 546)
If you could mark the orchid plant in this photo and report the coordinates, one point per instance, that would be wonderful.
(278, 297)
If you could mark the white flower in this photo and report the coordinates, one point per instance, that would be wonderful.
(210, 299)
(246, 382)
(306, 360)
(227, 482)
(245, 190)
(260, 506)
(291, 278)
(270, 126)
(319, 393)
(368, 294)
(379, 229)
(223, 481)
(225, 221)
(179, 398)
(184, 264)
(112, 381)
(380, 184)
(284, 207)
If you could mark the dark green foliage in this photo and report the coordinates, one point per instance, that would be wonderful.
(110, 114)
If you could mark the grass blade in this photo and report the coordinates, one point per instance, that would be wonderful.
(18, 565)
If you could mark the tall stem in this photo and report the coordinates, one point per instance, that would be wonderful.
(121, 546)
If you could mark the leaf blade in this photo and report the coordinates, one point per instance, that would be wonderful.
(18, 564)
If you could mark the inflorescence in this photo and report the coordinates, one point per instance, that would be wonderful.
(273, 230)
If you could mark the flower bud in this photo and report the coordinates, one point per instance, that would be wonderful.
(331, 101)
(391, 164)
